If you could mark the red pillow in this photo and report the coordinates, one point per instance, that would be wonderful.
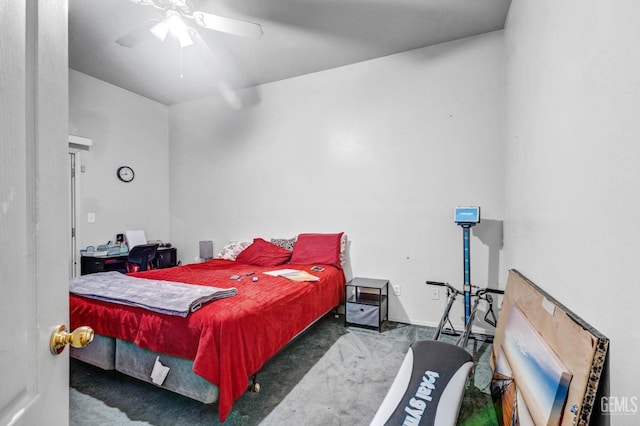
(312, 249)
(263, 253)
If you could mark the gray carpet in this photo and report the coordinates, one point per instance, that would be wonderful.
(359, 364)
(347, 385)
(85, 410)
(332, 375)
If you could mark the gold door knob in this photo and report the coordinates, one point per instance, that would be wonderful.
(78, 338)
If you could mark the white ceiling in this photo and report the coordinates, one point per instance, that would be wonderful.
(300, 37)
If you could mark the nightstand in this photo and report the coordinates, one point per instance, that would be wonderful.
(366, 302)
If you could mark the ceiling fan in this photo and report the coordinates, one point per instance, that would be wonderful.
(177, 14)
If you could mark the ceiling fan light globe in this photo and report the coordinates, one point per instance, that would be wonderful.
(178, 29)
(176, 24)
(160, 30)
(185, 39)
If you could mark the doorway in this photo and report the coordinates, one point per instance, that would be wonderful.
(74, 211)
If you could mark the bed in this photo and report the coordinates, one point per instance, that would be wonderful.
(225, 341)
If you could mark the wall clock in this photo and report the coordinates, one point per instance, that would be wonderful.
(125, 173)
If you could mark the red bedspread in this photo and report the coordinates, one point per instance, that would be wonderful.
(229, 339)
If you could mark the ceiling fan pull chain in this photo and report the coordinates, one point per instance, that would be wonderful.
(181, 76)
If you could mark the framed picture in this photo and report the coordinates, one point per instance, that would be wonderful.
(547, 361)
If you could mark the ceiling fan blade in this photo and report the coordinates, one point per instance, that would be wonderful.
(228, 25)
(138, 35)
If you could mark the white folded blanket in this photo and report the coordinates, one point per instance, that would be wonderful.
(165, 297)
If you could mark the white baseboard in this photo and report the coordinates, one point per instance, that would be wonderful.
(459, 327)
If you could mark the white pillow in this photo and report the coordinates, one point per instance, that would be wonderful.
(343, 250)
(285, 243)
(232, 250)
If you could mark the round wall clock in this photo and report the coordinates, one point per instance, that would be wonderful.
(125, 173)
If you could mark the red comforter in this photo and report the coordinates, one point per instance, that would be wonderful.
(228, 339)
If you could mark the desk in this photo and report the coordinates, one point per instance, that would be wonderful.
(165, 258)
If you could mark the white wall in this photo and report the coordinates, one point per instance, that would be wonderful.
(126, 129)
(572, 172)
(382, 150)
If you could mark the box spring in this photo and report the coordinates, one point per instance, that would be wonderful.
(115, 354)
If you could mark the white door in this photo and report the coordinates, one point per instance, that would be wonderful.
(33, 210)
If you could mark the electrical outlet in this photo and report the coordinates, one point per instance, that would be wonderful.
(435, 294)
(396, 289)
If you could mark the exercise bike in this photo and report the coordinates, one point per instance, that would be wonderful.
(475, 297)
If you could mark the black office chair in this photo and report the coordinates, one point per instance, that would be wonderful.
(141, 257)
